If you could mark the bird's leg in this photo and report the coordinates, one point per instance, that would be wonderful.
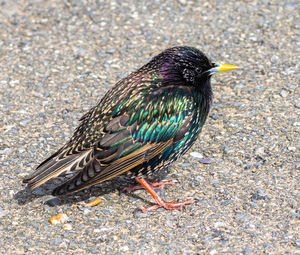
(160, 202)
(155, 185)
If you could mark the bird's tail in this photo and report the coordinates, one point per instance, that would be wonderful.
(78, 182)
(56, 165)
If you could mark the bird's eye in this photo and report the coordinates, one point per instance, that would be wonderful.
(198, 70)
(189, 74)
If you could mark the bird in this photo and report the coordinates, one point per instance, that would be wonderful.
(142, 124)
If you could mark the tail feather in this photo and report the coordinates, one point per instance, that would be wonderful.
(49, 161)
(75, 184)
(41, 169)
(54, 167)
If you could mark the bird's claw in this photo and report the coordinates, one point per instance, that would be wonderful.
(168, 205)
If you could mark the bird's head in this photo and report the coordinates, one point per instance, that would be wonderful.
(187, 66)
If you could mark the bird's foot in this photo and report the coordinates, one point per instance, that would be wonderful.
(160, 202)
(168, 205)
(155, 185)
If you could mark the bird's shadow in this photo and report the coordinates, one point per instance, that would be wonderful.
(119, 184)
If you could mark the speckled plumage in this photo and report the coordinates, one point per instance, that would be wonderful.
(145, 122)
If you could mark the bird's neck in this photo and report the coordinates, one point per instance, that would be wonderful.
(203, 97)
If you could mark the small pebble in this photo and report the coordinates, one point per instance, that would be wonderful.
(226, 202)
(56, 241)
(214, 116)
(253, 204)
(85, 210)
(283, 93)
(247, 251)
(196, 154)
(52, 202)
(2, 212)
(205, 161)
(297, 242)
(259, 151)
(257, 196)
(220, 224)
(67, 226)
(183, 2)
(293, 215)
(213, 252)
(94, 250)
(58, 219)
(140, 214)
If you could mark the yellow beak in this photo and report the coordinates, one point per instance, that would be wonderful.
(223, 67)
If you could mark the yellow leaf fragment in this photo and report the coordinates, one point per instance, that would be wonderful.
(94, 202)
(59, 218)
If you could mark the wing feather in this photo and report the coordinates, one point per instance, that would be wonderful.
(118, 167)
(135, 141)
(117, 135)
(55, 167)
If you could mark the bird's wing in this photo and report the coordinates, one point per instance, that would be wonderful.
(75, 154)
(71, 158)
(134, 136)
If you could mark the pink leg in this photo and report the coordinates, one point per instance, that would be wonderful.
(160, 202)
(155, 185)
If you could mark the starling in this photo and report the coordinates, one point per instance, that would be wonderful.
(144, 123)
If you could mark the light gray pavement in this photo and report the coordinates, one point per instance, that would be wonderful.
(58, 58)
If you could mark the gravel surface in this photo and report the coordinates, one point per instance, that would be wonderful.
(58, 58)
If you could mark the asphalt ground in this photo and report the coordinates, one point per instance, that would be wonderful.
(58, 58)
